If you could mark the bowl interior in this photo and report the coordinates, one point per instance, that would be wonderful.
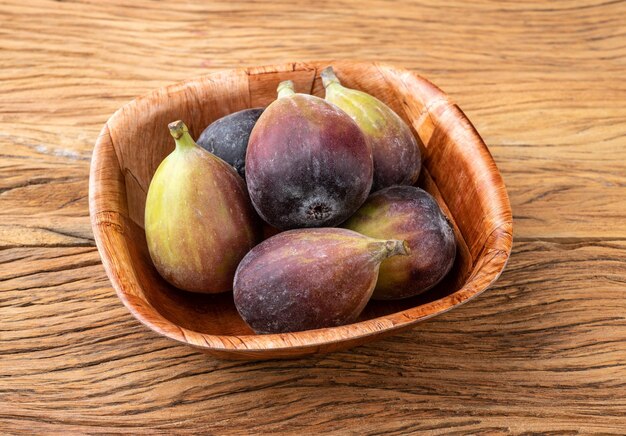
(138, 140)
(216, 314)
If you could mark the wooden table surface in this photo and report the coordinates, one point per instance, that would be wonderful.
(544, 349)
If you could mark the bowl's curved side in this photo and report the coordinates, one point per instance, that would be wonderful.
(108, 211)
(483, 217)
(459, 163)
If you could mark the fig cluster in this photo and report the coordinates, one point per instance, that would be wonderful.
(330, 181)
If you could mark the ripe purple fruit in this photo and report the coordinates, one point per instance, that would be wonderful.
(309, 278)
(308, 164)
(227, 138)
(411, 214)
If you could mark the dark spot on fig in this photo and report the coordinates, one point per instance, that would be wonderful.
(319, 211)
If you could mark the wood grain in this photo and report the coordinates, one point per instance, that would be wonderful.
(544, 350)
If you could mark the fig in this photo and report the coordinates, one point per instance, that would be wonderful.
(198, 219)
(411, 214)
(308, 164)
(309, 278)
(227, 138)
(396, 154)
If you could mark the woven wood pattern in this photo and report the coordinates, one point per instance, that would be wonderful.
(458, 171)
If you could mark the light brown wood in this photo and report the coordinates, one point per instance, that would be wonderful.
(543, 350)
(456, 163)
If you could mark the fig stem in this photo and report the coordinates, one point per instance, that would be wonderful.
(392, 247)
(328, 77)
(181, 135)
(286, 88)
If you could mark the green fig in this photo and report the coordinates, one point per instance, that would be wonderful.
(309, 278)
(397, 158)
(412, 214)
(199, 221)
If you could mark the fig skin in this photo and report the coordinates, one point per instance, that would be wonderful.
(396, 154)
(411, 214)
(199, 221)
(308, 164)
(227, 137)
(309, 278)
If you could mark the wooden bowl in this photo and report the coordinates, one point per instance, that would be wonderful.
(458, 170)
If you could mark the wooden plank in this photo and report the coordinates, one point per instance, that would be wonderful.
(538, 114)
(533, 353)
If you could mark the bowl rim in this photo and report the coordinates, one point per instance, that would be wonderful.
(498, 243)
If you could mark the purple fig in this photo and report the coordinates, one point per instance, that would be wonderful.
(308, 164)
(309, 278)
(199, 221)
(397, 158)
(227, 138)
(411, 214)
